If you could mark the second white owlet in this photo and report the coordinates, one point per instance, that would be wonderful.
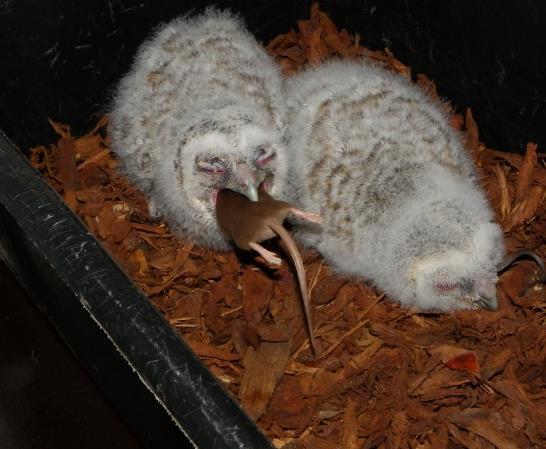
(200, 110)
(397, 192)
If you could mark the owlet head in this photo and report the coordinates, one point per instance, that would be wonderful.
(238, 158)
(462, 278)
(235, 172)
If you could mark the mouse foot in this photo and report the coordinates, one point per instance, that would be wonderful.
(270, 257)
(308, 216)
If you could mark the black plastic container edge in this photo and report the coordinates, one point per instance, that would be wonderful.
(123, 342)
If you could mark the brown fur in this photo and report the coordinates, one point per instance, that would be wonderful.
(247, 222)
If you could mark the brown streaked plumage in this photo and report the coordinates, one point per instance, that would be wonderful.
(397, 192)
(200, 110)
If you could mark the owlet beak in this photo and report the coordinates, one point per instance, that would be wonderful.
(247, 180)
(251, 192)
(487, 294)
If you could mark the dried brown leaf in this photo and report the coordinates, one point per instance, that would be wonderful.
(263, 369)
(525, 175)
(289, 409)
(516, 161)
(209, 351)
(488, 425)
(428, 86)
(293, 53)
(120, 229)
(278, 42)
(437, 384)
(350, 427)
(60, 128)
(151, 228)
(440, 438)
(397, 66)
(398, 433)
(66, 164)
(101, 157)
(511, 389)
(528, 207)
(468, 441)
(472, 134)
(92, 175)
(331, 36)
(140, 258)
(162, 259)
(361, 361)
(496, 364)
(327, 288)
(321, 383)
(105, 220)
(456, 121)
(505, 201)
(257, 292)
(457, 358)
(315, 47)
(288, 66)
(273, 331)
(345, 294)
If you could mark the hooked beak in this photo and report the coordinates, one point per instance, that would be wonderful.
(487, 295)
(247, 180)
(251, 192)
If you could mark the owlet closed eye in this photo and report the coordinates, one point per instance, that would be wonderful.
(212, 165)
(264, 155)
(445, 286)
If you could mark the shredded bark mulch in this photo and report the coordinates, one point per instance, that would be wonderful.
(386, 377)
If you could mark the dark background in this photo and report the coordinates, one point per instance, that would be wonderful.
(47, 401)
(62, 58)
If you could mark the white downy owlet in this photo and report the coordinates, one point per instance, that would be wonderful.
(397, 192)
(201, 109)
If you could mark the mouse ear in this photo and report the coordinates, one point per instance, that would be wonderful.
(264, 155)
(213, 165)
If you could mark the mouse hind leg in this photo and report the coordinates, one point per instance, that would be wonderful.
(270, 257)
(307, 216)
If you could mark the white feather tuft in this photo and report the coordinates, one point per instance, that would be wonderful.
(199, 86)
(395, 188)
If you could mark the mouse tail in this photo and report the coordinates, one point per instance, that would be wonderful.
(526, 252)
(300, 271)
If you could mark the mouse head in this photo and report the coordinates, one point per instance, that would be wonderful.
(461, 278)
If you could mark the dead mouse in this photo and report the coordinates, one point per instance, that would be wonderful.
(248, 223)
(514, 257)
